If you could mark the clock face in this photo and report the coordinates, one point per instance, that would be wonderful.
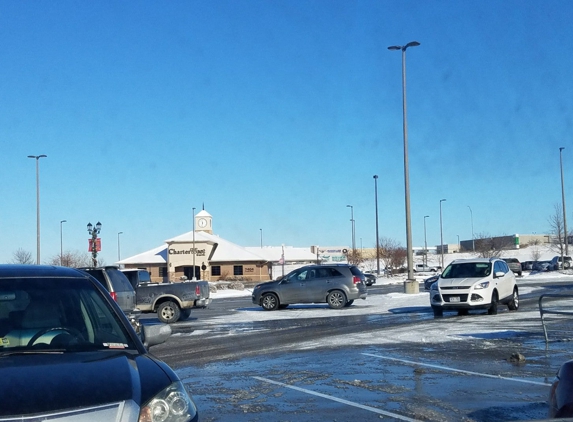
(202, 222)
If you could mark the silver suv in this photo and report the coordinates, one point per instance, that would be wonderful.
(474, 284)
(338, 285)
(117, 284)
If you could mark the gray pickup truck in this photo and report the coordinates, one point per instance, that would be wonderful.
(171, 301)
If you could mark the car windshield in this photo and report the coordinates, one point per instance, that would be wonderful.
(57, 314)
(468, 270)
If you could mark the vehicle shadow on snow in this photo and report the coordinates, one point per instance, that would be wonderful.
(299, 307)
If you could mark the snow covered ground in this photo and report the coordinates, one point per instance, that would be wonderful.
(440, 330)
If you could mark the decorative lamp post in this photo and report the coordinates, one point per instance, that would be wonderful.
(94, 231)
(425, 243)
(441, 234)
(37, 157)
(410, 285)
(377, 239)
(62, 244)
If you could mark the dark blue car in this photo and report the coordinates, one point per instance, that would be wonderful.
(67, 352)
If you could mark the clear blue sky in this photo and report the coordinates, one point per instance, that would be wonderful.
(276, 115)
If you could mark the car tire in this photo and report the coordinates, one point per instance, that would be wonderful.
(185, 313)
(349, 303)
(168, 312)
(336, 299)
(514, 304)
(566, 265)
(492, 310)
(270, 302)
(438, 312)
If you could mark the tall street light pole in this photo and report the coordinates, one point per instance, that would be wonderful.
(193, 277)
(410, 285)
(261, 238)
(473, 237)
(564, 212)
(425, 243)
(118, 247)
(441, 234)
(352, 222)
(62, 243)
(377, 239)
(37, 157)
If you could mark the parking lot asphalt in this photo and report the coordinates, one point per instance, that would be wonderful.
(288, 369)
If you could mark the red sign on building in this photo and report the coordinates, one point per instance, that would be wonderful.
(98, 245)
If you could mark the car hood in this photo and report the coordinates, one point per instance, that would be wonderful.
(41, 383)
(459, 282)
(268, 284)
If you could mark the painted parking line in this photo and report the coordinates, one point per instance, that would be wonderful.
(461, 371)
(336, 399)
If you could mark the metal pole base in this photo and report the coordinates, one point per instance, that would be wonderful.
(411, 287)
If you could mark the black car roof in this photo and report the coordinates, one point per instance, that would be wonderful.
(20, 270)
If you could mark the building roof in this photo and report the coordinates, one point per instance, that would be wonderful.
(154, 256)
(226, 251)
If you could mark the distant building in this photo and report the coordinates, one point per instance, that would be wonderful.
(204, 255)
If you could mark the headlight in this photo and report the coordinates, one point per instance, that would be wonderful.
(171, 405)
(434, 286)
(258, 286)
(483, 285)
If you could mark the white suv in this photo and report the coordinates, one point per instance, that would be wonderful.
(474, 284)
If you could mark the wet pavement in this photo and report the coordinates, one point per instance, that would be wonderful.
(303, 370)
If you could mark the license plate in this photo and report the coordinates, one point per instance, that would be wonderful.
(454, 298)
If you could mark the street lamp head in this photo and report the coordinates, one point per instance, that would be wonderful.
(63, 221)
(561, 149)
(37, 157)
(90, 228)
(375, 176)
(403, 48)
(426, 216)
(441, 200)
(98, 226)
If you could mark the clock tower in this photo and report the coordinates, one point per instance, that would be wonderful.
(204, 222)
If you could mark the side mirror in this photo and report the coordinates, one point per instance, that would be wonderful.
(155, 334)
(499, 274)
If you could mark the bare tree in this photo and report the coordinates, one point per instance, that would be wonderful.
(491, 247)
(392, 254)
(354, 256)
(535, 252)
(74, 259)
(22, 257)
(556, 229)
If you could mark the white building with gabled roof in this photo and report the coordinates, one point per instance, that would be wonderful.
(203, 255)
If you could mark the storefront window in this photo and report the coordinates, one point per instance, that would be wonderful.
(237, 270)
(216, 270)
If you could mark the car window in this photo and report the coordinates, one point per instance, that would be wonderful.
(467, 269)
(119, 281)
(67, 314)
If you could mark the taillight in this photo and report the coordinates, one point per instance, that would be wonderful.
(356, 280)
(113, 295)
(198, 290)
